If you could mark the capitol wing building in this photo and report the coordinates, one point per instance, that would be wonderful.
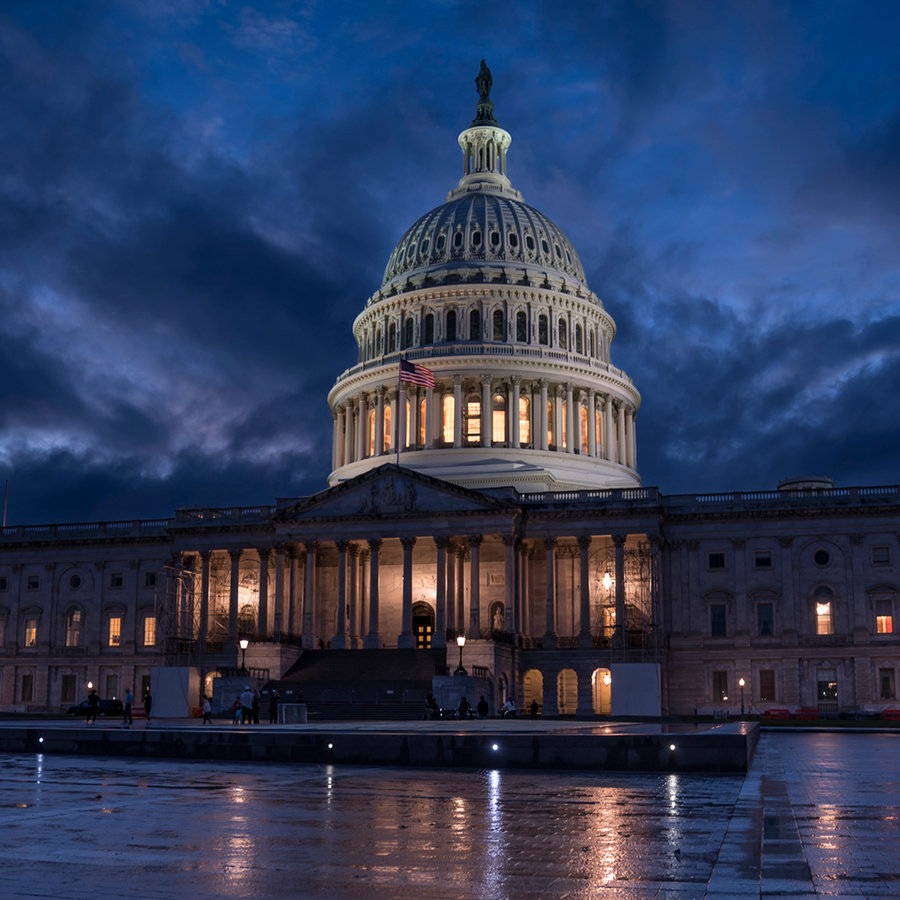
(484, 515)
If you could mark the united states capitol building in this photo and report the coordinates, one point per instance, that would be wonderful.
(490, 492)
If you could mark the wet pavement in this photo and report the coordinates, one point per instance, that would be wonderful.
(817, 815)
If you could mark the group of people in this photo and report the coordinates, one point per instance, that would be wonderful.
(464, 709)
(245, 709)
(93, 707)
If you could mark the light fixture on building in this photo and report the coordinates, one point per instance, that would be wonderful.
(460, 642)
(244, 645)
(607, 679)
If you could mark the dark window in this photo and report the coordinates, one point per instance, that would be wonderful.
(457, 240)
(4, 583)
(578, 340)
(476, 238)
(563, 341)
(441, 242)
(767, 685)
(429, 328)
(474, 325)
(762, 559)
(720, 686)
(513, 239)
(392, 337)
(887, 683)
(529, 242)
(116, 580)
(717, 627)
(764, 619)
(881, 556)
(149, 579)
(499, 326)
(26, 694)
(451, 325)
(821, 558)
(75, 582)
(545, 246)
(495, 238)
(542, 330)
(33, 582)
(521, 327)
(67, 688)
(716, 561)
(408, 328)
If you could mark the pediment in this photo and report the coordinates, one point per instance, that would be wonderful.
(391, 490)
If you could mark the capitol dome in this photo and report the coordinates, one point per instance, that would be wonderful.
(508, 379)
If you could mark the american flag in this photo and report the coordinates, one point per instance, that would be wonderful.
(414, 374)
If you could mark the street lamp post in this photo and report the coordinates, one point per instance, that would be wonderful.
(460, 642)
(244, 645)
(741, 683)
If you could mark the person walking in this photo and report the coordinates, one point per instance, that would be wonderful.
(93, 707)
(206, 710)
(148, 704)
(127, 720)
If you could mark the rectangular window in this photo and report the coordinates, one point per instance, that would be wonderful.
(149, 579)
(765, 617)
(762, 559)
(888, 687)
(26, 694)
(716, 561)
(115, 631)
(116, 580)
(884, 617)
(717, 614)
(149, 631)
(4, 583)
(33, 582)
(720, 686)
(767, 685)
(73, 628)
(67, 690)
(823, 618)
(881, 555)
(112, 686)
(31, 627)
(826, 685)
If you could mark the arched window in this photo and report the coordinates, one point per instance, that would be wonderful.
(448, 408)
(543, 331)
(583, 425)
(597, 420)
(472, 420)
(550, 423)
(451, 325)
(591, 343)
(370, 433)
(379, 348)
(475, 325)
(388, 428)
(499, 325)
(408, 328)
(823, 598)
(246, 619)
(521, 327)
(524, 422)
(498, 420)
(392, 337)
(578, 342)
(429, 329)
(563, 336)
(73, 627)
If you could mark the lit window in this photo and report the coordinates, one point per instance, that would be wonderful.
(31, 628)
(370, 433)
(448, 407)
(149, 631)
(583, 424)
(388, 429)
(524, 421)
(498, 419)
(823, 610)
(423, 421)
(115, 631)
(473, 421)
(73, 628)
(884, 617)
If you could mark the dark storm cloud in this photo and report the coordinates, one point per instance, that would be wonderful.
(196, 200)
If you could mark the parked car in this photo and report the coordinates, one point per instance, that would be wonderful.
(106, 708)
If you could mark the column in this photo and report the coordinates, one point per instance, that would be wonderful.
(550, 633)
(373, 638)
(354, 596)
(292, 589)
(487, 418)
(619, 541)
(278, 599)
(379, 422)
(608, 435)
(233, 596)
(452, 614)
(430, 420)
(361, 427)
(457, 411)
(514, 431)
(405, 638)
(584, 632)
(439, 638)
(262, 618)
(542, 417)
(629, 437)
(655, 592)
(338, 442)
(204, 597)
(309, 597)
(621, 450)
(475, 585)
(571, 415)
(348, 433)
(460, 589)
(339, 641)
(509, 578)
(558, 432)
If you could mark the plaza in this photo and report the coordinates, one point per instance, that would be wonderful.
(815, 816)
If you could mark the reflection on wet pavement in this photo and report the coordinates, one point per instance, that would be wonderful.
(817, 815)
